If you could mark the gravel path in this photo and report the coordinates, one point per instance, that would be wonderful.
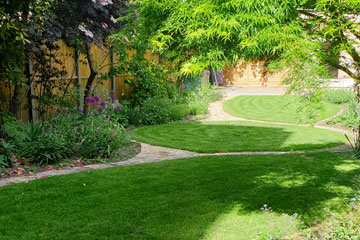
(150, 153)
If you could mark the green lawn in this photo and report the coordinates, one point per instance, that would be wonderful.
(236, 136)
(285, 108)
(208, 198)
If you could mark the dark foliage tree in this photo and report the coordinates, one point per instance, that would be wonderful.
(83, 23)
(32, 28)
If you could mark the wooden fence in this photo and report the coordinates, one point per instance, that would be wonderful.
(77, 70)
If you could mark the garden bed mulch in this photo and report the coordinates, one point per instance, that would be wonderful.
(31, 170)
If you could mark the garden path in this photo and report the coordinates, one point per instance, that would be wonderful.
(150, 153)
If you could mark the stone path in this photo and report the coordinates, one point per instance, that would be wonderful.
(150, 153)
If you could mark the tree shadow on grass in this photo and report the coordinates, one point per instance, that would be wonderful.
(237, 136)
(178, 199)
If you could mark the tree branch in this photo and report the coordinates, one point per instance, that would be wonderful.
(346, 70)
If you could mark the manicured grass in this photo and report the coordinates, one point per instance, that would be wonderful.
(285, 108)
(208, 198)
(237, 136)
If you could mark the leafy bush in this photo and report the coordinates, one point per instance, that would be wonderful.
(98, 137)
(157, 111)
(199, 107)
(14, 129)
(66, 135)
(350, 118)
(6, 152)
(198, 100)
(339, 96)
(44, 145)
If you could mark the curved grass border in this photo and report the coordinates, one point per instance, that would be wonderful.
(237, 136)
(278, 108)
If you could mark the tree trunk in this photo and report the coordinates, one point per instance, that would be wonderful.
(15, 104)
(93, 74)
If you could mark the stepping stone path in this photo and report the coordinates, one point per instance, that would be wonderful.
(150, 153)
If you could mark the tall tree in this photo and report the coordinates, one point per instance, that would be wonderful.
(336, 24)
(200, 34)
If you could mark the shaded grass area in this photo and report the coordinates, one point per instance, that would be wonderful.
(236, 136)
(284, 108)
(199, 198)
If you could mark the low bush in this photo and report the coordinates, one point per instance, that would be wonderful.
(198, 107)
(6, 152)
(44, 145)
(97, 137)
(339, 96)
(199, 99)
(350, 118)
(66, 135)
(156, 111)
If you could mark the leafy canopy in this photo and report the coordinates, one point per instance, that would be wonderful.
(200, 34)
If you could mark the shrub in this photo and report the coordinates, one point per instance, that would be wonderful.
(178, 111)
(157, 111)
(199, 107)
(66, 135)
(350, 118)
(6, 152)
(14, 129)
(98, 137)
(152, 111)
(199, 99)
(36, 141)
(44, 145)
(339, 96)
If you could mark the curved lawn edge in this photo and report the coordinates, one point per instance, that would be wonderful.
(237, 136)
(274, 108)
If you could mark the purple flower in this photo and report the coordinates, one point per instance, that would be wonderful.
(99, 110)
(170, 79)
(207, 72)
(182, 86)
(80, 111)
(117, 108)
(134, 31)
(103, 104)
(75, 131)
(113, 98)
(126, 40)
(89, 100)
(96, 99)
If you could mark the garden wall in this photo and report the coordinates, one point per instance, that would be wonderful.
(253, 74)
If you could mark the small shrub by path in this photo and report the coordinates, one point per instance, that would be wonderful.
(237, 136)
(198, 198)
(284, 108)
